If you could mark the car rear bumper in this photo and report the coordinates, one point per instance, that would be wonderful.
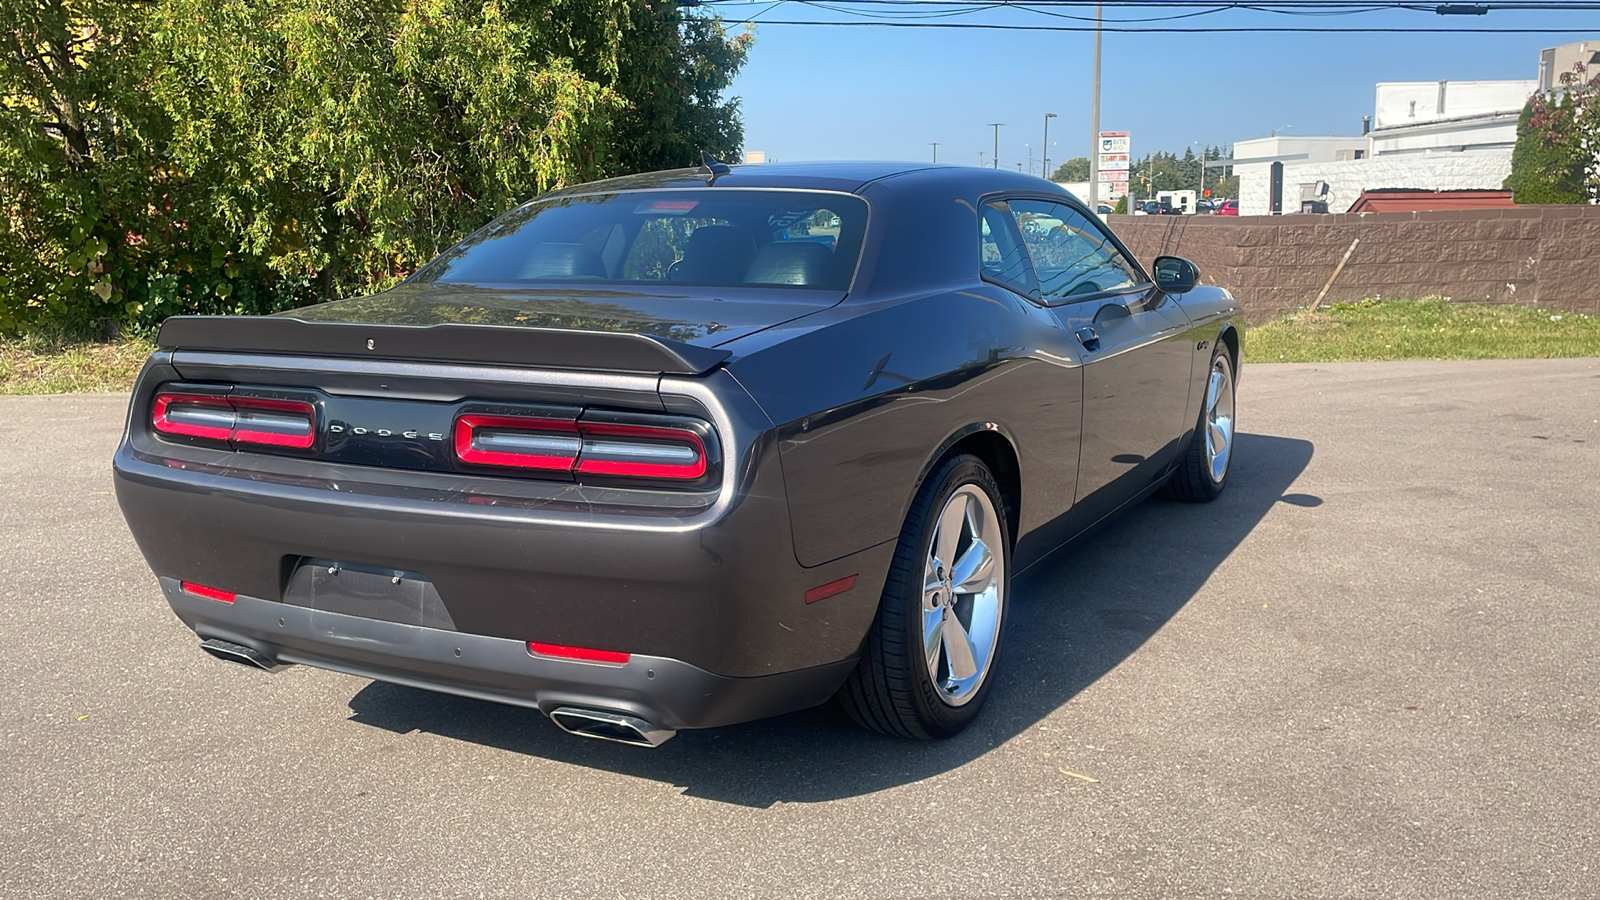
(668, 693)
(727, 597)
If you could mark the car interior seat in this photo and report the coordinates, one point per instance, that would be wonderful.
(555, 260)
(716, 254)
(790, 262)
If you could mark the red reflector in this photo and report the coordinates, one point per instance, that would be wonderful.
(585, 654)
(824, 591)
(210, 593)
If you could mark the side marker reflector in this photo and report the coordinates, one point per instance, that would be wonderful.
(210, 593)
(583, 654)
(824, 591)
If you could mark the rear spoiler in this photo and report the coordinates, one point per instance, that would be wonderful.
(455, 343)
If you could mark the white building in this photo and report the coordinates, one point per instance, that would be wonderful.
(1413, 117)
(1426, 135)
(1256, 177)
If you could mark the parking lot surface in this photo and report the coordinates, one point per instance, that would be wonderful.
(1371, 669)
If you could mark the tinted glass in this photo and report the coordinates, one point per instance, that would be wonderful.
(784, 239)
(1071, 256)
(1003, 259)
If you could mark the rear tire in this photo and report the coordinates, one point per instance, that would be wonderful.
(1203, 471)
(929, 660)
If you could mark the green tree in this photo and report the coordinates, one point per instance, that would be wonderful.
(1554, 157)
(1074, 169)
(249, 155)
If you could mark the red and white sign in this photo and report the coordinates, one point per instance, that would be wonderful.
(1115, 158)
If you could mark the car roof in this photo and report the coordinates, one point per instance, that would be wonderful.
(845, 176)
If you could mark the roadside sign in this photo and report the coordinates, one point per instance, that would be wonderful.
(1113, 142)
(1114, 161)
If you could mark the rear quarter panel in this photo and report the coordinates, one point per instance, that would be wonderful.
(866, 397)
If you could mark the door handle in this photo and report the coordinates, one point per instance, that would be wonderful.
(1089, 338)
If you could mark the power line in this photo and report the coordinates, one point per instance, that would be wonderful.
(1292, 6)
(1224, 29)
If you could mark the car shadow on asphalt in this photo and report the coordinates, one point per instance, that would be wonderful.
(1075, 617)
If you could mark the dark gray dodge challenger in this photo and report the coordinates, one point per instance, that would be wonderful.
(684, 449)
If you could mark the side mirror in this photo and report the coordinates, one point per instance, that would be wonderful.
(1176, 275)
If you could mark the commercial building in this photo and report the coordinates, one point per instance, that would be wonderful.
(1422, 136)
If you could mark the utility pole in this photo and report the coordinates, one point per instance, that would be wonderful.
(996, 127)
(1094, 116)
(1046, 164)
(935, 145)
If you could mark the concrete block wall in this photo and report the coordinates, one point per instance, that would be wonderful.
(1541, 256)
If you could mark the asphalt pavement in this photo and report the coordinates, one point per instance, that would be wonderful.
(1371, 669)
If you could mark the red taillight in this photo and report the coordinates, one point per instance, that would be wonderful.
(524, 442)
(641, 451)
(210, 593)
(277, 423)
(246, 420)
(585, 654)
(194, 415)
(584, 447)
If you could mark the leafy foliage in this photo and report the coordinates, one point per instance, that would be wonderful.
(165, 156)
(1164, 171)
(1074, 169)
(1558, 142)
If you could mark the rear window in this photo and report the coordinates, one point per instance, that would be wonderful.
(783, 239)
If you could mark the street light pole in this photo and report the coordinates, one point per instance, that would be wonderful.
(1094, 116)
(1046, 164)
(996, 126)
(935, 145)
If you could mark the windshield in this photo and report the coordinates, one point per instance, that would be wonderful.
(785, 239)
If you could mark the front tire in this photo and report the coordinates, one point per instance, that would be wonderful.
(930, 657)
(1203, 471)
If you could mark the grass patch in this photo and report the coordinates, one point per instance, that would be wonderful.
(1422, 329)
(54, 364)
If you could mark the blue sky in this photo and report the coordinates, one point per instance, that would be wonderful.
(885, 93)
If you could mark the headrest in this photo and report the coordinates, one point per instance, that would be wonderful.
(716, 254)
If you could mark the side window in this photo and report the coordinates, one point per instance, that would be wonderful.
(1003, 259)
(1071, 256)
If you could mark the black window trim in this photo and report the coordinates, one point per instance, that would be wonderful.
(1073, 203)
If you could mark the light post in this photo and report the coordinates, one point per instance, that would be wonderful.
(1045, 148)
(935, 145)
(1094, 116)
(996, 127)
(1030, 158)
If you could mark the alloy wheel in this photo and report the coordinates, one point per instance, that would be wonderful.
(961, 594)
(1219, 419)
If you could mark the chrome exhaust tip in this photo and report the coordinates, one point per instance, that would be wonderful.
(610, 726)
(239, 653)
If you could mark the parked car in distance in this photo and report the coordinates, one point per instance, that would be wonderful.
(1228, 208)
(645, 455)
